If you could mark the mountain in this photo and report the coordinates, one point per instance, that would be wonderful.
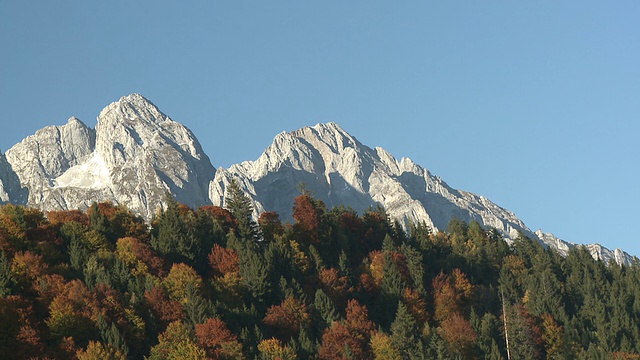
(338, 169)
(597, 251)
(136, 154)
(133, 157)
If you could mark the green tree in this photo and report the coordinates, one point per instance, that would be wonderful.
(172, 238)
(254, 273)
(241, 207)
(415, 266)
(392, 287)
(405, 335)
(325, 309)
(98, 221)
(112, 336)
(7, 282)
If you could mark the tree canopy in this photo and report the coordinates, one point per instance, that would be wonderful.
(213, 283)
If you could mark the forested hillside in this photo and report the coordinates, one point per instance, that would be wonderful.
(211, 283)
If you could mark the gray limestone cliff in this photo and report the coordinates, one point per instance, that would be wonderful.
(338, 169)
(10, 189)
(134, 156)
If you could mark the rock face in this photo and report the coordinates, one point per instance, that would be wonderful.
(597, 251)
(10, 189)
(338, 169)
(136, 154)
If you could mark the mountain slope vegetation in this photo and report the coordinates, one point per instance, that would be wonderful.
(212, 283)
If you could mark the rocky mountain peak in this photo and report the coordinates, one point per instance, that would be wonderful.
(130, 108)
(47, 154)
(329, 137)
(135, 155)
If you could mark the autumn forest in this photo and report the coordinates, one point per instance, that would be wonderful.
(211, 283)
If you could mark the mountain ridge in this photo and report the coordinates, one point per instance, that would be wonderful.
(136, 153)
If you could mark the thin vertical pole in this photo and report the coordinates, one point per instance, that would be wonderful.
(504, 318)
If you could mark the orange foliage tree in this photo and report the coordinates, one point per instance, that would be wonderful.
(270, 225)
(163, 308)
(349, 338)
(216, 339)
(223, 260)
(335, 286)
(59, 217)
(288, 318)
(222, 215)
(451, 294)
(308, 212)
(459, 335)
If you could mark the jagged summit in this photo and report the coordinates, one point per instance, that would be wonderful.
(136, 154)
(338, 169)
(131, 109)
(73, 120)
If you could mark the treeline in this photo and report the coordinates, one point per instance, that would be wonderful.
(212, 283)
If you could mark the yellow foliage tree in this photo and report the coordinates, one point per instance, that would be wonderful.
(98, 351)
(383, 348)
(177, 342)
(180, 277)
(272, 349)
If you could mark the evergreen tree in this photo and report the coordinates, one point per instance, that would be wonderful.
(78, 255)
(97, 220)
(172, 238)
(415, 266)
(388, 244)
(241, 208)
(392, 287)
(254, 273)
(112, 336)
(392, 283)
(325, 309)
(405, 335)
(196, 308)
(7, 282)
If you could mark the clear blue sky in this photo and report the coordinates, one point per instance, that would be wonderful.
(535, 105)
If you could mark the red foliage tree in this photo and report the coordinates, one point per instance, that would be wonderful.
(339, 343)
(217, 340)
(59, 217)
(162, 307)
(451, 294)
(459, 335)
(307, 212)
(222, 215)
(19, 330)
(107, 208)
(223, 261)
(140, 256)
(270, 225)
(334, 285)
(377, 226)
(368, 285)
(350, 338)
(288, 318)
